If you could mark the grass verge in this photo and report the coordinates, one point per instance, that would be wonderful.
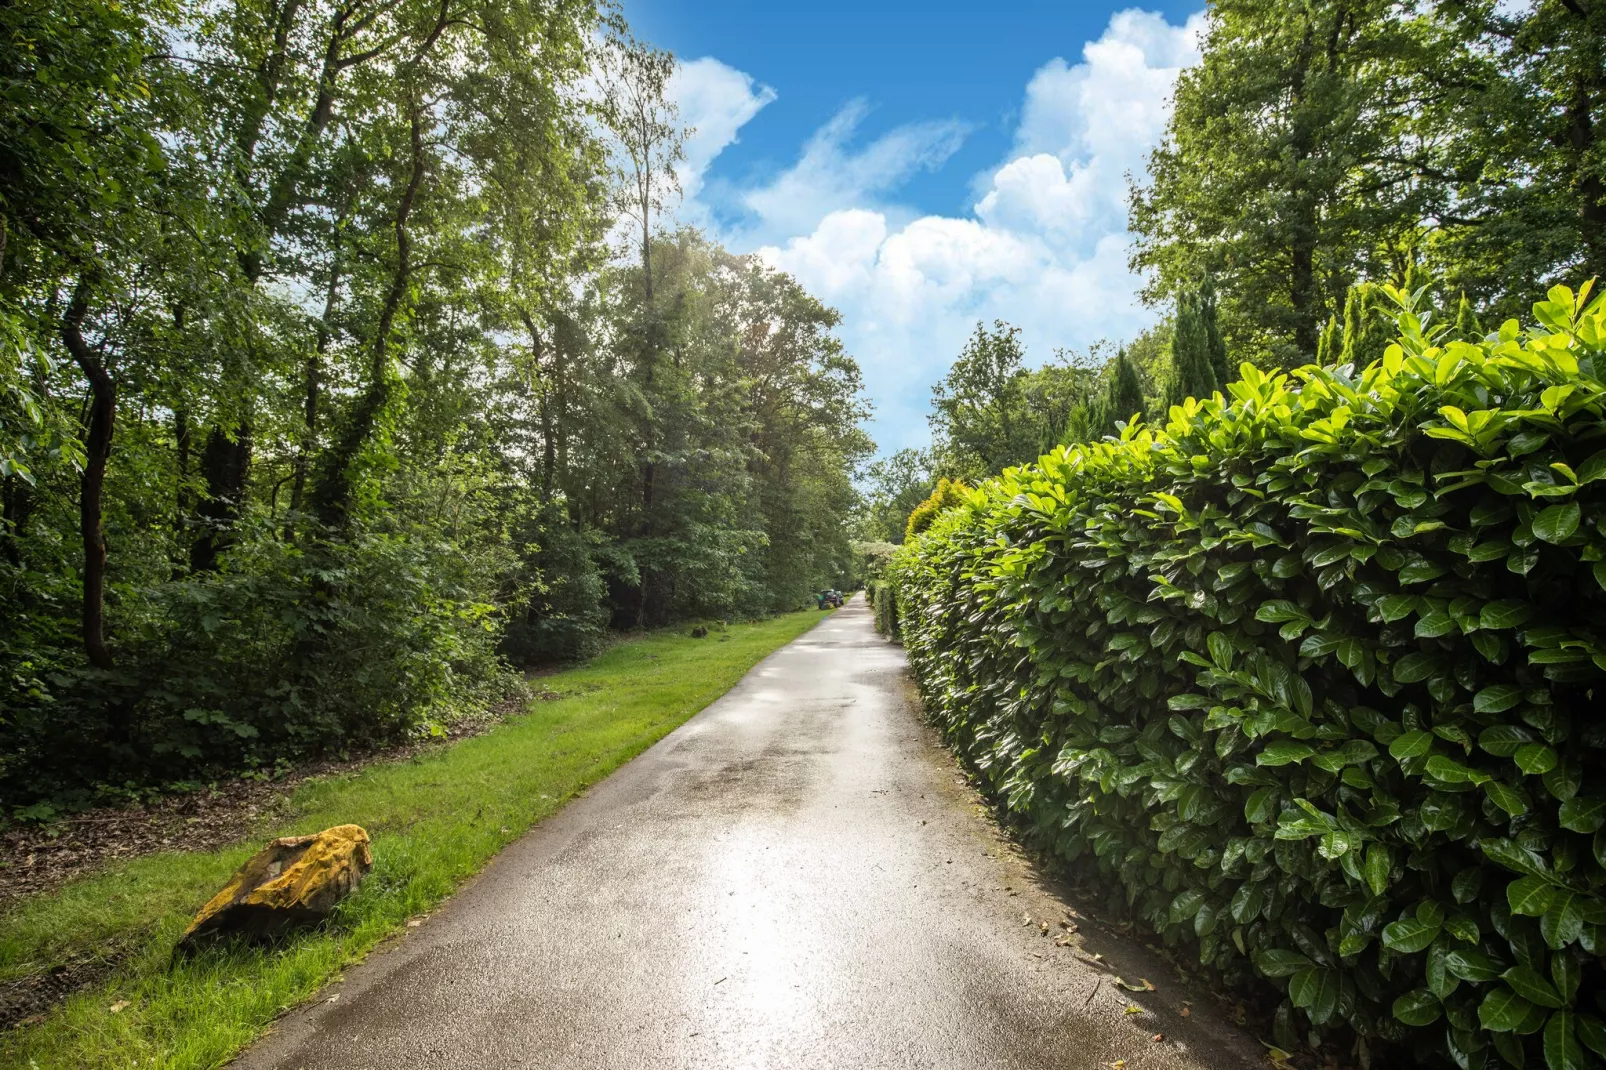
(435, 821)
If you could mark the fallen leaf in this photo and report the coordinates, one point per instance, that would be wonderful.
(1133, 1008)
(1119, 1064)
(119, 1006)
(1279, 1058)
(1185, 1012)
(1143, 985)
(1159, 1038)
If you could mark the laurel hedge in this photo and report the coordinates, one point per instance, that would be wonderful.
(1311, 673)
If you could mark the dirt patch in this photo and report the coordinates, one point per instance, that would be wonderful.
(41, 858)
(26, 1000)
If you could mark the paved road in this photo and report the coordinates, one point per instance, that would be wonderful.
(797, 877)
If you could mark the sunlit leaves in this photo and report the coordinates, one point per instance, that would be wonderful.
(1368, 773)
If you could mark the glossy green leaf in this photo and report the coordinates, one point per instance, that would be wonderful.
(1470, 964)
(1529, 895)
(1417, 1007)
(1280, 962)
(1502, 1010)
(1411, 745)
(1497, 698)
(1592, 1032)
(1535, 758)
(1284, 752)
(1503, 614)
(1409, 935)
(1557, 523)
(1506, 797)
(1531, 986)
(1377, 867)
(1562, 1050)
(1583, 814)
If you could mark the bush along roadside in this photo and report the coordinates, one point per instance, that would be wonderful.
(1311, 673)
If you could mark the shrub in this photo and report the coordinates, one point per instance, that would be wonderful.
(1311, 672)
(886, 611)
(947, 495)
(285, 652)
(565, 615)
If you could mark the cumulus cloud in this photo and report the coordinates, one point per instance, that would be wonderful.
(1044, 246)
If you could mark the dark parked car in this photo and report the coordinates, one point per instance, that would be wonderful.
(833, 599)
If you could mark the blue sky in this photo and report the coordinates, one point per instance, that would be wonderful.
(923, 166)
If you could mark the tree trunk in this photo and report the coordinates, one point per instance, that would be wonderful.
(313, 391)
(1302, 227)
(97, 450)
(181, 484)
(226, 466)
(16, 503)
(543, 386)
(332, 502)
(561, 340)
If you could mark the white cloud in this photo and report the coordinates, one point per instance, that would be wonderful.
(832, 175)
(716, 101)
(1045, 246)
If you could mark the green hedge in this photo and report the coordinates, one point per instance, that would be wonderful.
(886, 610)
(1311, 674)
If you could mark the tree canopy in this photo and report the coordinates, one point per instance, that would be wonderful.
(324, 395)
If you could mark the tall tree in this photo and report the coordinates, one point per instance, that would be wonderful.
(1527, 202)
(1288, 163)
(645, 124)
(990, 412)
(897, 484)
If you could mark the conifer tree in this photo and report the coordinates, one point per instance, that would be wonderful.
(1123, 398)
(1215, 342)
(1467, 327)
(1327, 346)
(1193, 374)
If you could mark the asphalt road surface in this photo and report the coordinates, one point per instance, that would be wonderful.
(798, 877)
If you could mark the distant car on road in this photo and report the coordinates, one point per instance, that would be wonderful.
(825, 599)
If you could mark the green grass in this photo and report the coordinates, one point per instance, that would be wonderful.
(435, 821)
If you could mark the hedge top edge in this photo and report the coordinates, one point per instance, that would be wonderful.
(1310, 670)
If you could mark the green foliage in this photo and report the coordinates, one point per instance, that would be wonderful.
(1198, 356)
(948, 495)
(435, 818)
(1122, 402)
(897, 484)
(886, 610)
(280, 655)
(1291, 161)
(990, 412)
(565, 616)
(1316, 141)
(366, 385)
(1310, 675)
